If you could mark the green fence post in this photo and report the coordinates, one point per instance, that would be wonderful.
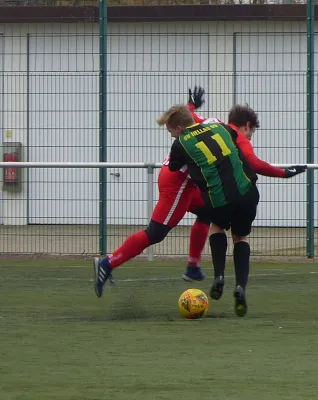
(102, 124)
(310, 126)
(234, 68)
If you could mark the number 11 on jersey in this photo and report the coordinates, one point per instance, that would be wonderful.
(207, 152)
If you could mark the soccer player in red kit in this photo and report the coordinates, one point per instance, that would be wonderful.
(178, 194)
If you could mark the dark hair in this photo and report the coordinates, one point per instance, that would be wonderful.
(240, 115)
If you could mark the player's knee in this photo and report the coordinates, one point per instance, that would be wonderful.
(216, 229)
(156, 232)
(237, 238)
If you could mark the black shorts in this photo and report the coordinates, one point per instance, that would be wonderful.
(238, 215)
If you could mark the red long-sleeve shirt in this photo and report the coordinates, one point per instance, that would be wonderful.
(197, 118)
(258, 166)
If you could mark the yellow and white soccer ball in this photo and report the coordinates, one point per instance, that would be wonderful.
(193, 304)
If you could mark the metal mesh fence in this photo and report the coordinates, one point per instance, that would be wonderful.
(142, 2)
(49, 73)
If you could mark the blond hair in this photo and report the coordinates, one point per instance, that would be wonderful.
(177, 115)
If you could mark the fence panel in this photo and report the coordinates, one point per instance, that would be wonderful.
(50, 103)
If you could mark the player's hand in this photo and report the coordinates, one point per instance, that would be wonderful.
(196, 97)
(294, 170)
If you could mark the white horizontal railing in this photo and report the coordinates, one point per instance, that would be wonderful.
(149, 166)
(27, 164)
(35, 164)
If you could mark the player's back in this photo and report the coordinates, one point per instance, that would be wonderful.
(214, 162)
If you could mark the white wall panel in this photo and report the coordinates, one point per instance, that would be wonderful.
(271, 78)
(1, 114)
(150, 67)
(64, 110)
(63, 103)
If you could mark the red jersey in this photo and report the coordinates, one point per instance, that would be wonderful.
(258, 166)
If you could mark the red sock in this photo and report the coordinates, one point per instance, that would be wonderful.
(198, 236)
(131, 247)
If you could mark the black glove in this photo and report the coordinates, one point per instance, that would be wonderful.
(294, 170)
(196, 97)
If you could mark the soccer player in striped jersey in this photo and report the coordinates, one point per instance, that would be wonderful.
(221, 161)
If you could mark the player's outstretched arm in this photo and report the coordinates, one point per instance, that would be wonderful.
(262, 167)
(196, 97)
(195, 101)
(294, 170)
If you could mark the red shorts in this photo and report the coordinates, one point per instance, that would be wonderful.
(177, 195)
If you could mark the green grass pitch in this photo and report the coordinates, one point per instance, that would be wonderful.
(59, 341)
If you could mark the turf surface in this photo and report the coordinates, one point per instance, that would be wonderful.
(58, 341)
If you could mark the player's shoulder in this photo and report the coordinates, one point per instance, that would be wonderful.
(231, 128)
(217, 122)
(176, 143)
(212, 120)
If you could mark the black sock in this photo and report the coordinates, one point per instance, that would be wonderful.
(218, 245)
(242, 262)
